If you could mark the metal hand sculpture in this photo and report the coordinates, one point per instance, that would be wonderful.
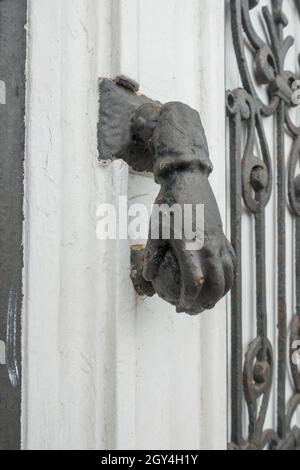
(169, 140)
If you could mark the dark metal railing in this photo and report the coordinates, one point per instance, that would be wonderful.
(252, 378)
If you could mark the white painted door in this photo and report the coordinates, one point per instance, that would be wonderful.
(104, 369)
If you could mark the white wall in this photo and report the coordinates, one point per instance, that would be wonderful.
(101, 368)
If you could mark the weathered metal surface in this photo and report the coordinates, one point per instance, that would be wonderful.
(12, 74)
(169, 140)
(251, 181)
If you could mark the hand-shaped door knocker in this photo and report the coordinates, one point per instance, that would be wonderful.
(169, 141)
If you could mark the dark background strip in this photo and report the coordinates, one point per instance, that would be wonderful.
(12, 131)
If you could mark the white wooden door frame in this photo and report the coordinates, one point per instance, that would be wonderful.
(79, 333)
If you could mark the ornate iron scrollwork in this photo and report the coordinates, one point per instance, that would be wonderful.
(169, 141)
(251, 182)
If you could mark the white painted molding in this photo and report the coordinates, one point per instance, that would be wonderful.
(102, 369)
(213, 340)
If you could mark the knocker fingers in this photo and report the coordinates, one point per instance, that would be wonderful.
(192, 277)
(155, 251)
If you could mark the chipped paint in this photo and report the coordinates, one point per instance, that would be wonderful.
(2, 92)
(2, 353)
(11, 339)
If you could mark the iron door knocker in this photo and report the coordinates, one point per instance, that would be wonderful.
(169, 141)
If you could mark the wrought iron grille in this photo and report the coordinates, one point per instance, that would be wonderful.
(252, 184)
